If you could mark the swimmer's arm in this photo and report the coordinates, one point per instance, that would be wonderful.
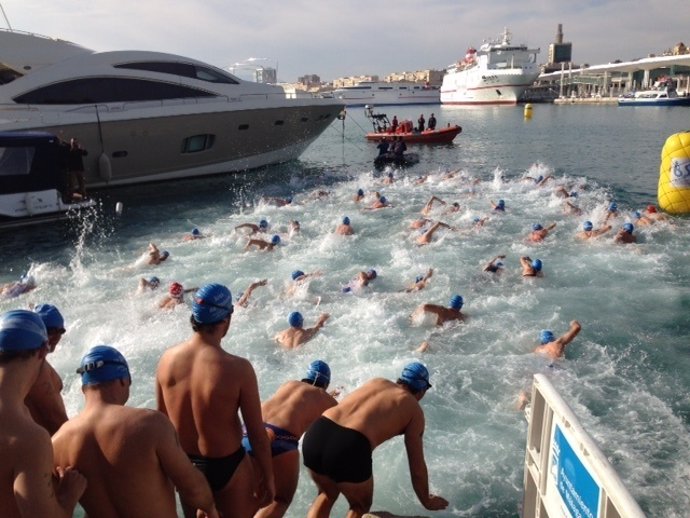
(570, 335)
(311, 332)
(244, 299)
(190, 290)
(602, 230)
(160, 400)
(551, 227)
(45, 397)
(252, 226)
(414, 445)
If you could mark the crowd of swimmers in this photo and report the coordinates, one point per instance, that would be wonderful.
(122, 461)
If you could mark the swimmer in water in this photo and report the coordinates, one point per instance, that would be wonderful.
(443, 314)
(498, 207)
(625, 234)
(611, 212)
(261, 244)
(426, 238)
(151, 283)
(539, 233)
(359, 196)
(389, 179)
(641, 220)
(494, 266)
(380, 203)
(243, 301)
(296, 334)
(530, 268)
(193, 235)
(420, 281)
(426, 210)
(293, 227)
(345, 228)
(553, 347)
(571, 208)
(419, 223)
(11, 290)
(175, 296)
(589, 232)
(156, 256)
(276, 200)
(651, 212)
(254, 229)
(361, 280)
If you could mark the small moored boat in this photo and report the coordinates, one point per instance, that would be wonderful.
(664, 95)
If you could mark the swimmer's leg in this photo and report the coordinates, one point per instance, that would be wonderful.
(328, 494)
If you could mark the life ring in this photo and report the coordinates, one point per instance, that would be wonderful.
(674, 174)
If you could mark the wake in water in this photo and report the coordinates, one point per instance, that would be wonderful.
(615, 375)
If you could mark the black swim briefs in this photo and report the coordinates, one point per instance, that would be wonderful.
(218, 471)
(339, 453)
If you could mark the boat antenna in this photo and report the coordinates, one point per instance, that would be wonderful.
(7, 20)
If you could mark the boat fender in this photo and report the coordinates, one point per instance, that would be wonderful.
(674, 174)
(105, 169)
(118, 208)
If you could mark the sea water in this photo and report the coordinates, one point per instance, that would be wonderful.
(626, 375)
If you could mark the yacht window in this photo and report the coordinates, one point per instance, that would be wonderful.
(198, 143)
(108, 89)
(385, 87)
(181, 69)
(403, 88)
(16, 160)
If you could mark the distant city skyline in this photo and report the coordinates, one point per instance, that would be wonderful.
(355, 37)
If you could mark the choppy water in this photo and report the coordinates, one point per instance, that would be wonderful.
(626, 375)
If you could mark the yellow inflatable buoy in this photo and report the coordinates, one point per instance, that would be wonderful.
(674, 174)
(528, 111)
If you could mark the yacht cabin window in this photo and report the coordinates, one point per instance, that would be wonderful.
(182, 69)
(198, 143)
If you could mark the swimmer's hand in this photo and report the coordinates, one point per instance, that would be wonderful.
(211, 514)
(336, 392)
(435, 503)
(322, 320)
(70, 486)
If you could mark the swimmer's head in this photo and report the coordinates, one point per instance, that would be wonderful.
(419, 278)
(22, 330)
(573, 194)
(275, 240)
(360, 192)
(537, 180)
(318, 374)
(651, 209)
(27, 280)
(51, 316)
(383, 199)
(456, 302)
(196, 232)
(536, 227)
(501, 204)
(346, 220)
(390, 175)
(476, 219)
(295, 319)
(536, 264)
(416, 376)
(546, 336)
(176, 290)
(371, 274)
(613, 206)
(164, 255)
(288, 199)
(154, 282)
(637, 214)
(587, 226)
(499, 264)
(628, 227)
(263, 224)
(297, 274)
(102, 364)
(212, 304)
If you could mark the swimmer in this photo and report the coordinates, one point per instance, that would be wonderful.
(193, 235)
(426, 210)
(443, 314)
(494, 265)
(589, 232)
(426, 238)
(296, 334)
(419, 223)
(531, 268)
(25, 284)
(175, 296)
(539, 232)
(361, 280)
(641, 220)
(498, 207)
(243, 301)
(420, 282)
(612, 211)
(345, 228)
(454, 207)
(478, 222)
(277, 201)
(380, 203)
(300, 279)
(151, 283)
(156, 256)
(652, 213)
(389, 180)
(553, 347)
(571, 208)
(293, 227)
(261, 244)
(541, 180)
(358, 196)
(254, 229)
(287, 415)
(625, 234)
(423, 347)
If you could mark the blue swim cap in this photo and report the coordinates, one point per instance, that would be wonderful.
(295, 319)
(382, 199)
(546, 336)
(539, 179)
(573, 194)
(371, 273)
(628, 227)
(476, 219)
(360, 192)
(101, 364)
(456, 302)
(297, 274)
(165, 254)
(28, 280)
(587, 226)
(196, 232)
(501, 203)
(536, 264)
(275, 239)
(613, 206)
(499, 264)
(154, 281)
(50, 315)
(263, 224)
(637, 214)
(536, 227)
(22, 330)
(346, 220)
(419, 278)
(212, 303)
(416, 376)
(319, 373)
(288, 199)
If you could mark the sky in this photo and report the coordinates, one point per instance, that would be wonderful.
(336, 38)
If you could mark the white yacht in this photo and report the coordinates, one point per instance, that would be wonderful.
(497, 73)
(387, 93)
(149, 116)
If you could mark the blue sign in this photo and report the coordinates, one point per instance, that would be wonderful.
(578, 490)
